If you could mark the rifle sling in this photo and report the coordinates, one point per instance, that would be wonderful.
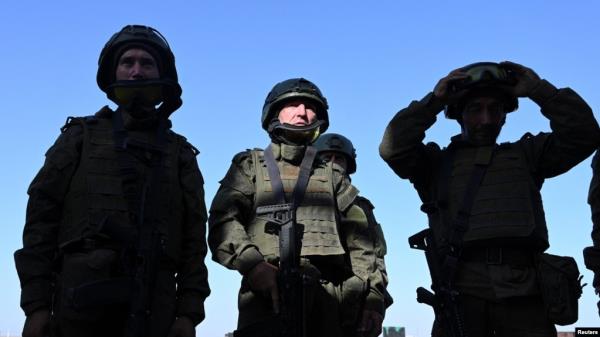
(147, 218)
(459, 226)
(301, 183)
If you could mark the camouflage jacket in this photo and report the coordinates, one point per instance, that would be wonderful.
(44, 232)
(237, 241)
(575, 135)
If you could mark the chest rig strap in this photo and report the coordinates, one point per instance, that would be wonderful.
(150, 244)
(281, 217)
(282, 211)
(457, 228)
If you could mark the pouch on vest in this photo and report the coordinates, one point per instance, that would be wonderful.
(354, 291)
(81, 269)
(560, 285)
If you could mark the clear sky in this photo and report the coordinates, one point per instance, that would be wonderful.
(370, 59)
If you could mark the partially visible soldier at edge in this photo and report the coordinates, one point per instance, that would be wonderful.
(506, 231)
(592, 254)
(114, 239)
(339, 150)
(338, 297)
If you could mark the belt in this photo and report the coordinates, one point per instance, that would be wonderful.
(499, 255)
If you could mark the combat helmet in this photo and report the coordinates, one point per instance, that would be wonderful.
(291, 89)
(483, 77)
(334, 142)
(150, 39)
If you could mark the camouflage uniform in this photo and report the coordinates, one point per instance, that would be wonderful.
(340, 145)
(335, 255)
(498, 292)
(82, 226)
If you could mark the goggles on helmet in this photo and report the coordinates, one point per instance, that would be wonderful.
(482, 74)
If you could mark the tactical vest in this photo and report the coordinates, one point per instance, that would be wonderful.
(507, 205)
(316, 214)
(105, 195)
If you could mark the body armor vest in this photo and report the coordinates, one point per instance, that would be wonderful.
(105, 198)
(507, 205)
(316, 214)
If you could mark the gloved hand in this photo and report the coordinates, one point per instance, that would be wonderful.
(370, 324)
(263, 280)
(182, 327)
(37, 324)
(526, 78)
(442, 88)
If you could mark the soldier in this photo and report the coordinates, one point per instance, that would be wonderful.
(335, 148)
(335, 266)
(114, 239)
(592, 254)
(499, 232)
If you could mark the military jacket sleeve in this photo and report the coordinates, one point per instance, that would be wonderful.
(380, 275)
(36, 260)
(232, 207)
(192, 276)
(575, 133)
(402, 144)
(360, 242)
(594, 199)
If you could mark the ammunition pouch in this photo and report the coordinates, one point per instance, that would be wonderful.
(560, 285)
(87, 284)
(354, 292)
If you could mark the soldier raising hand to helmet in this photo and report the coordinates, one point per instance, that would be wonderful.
(114, 238)
(483, 199)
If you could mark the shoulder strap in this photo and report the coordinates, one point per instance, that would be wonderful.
(304, 175)
(457, 228)
(273, 171)
(460, 225)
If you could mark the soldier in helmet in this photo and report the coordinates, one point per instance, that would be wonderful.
(335, 264)
(482, 199)
(114, 239)
(339, 150)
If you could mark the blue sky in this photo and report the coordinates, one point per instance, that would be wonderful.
(370, 59)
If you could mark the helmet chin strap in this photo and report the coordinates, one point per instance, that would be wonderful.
(294, 135)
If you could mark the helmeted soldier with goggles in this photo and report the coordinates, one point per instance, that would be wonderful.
(114, 239)
(483, 199)
(282, 218)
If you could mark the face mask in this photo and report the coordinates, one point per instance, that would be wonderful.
(297, 135)
(143, 93)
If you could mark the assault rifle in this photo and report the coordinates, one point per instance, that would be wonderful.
(281, 219)
(444, 299)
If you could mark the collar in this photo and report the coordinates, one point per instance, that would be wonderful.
(287, 152)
